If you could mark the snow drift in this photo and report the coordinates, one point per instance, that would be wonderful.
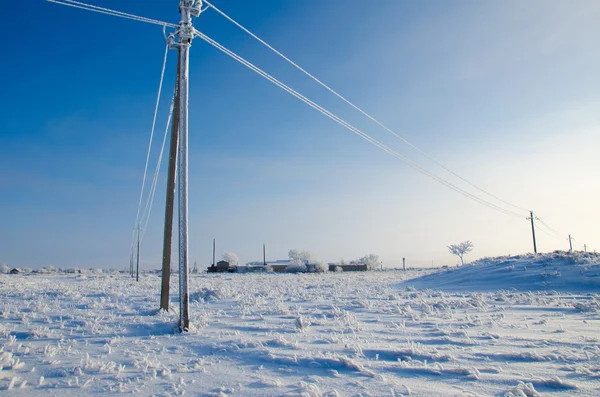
(558, 271)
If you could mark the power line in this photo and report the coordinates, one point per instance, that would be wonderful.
(162, 75)
(352, 128)
(150, 201)
(148, 207)
(557, 233)
(548, 233)
(359, 109)
(108, 11)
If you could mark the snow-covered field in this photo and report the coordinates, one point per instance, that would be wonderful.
(332, 334)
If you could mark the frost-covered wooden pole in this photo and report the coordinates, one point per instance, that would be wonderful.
(570, 243)
(533, 232)
(185, 33)
(168, 231)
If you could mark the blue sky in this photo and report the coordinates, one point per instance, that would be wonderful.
(504, 93)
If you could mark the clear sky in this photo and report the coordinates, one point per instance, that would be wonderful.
(505, 93)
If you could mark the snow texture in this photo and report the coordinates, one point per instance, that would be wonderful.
(316, 334)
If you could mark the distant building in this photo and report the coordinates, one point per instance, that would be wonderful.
(14, 271)
(348, 268)
(222, 267)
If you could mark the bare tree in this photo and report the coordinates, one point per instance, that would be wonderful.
(461, 249)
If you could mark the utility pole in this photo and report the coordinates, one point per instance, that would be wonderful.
(137, 273)
(214, 250)
(584, 248)
(168, 232)
(533, 232)
(403, 263)
(264, 255)
(570, 244)
(185, 32)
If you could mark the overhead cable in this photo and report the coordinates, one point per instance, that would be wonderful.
(108, 11)
(162, 75)
(557, 233)
(150, 200)
(359, 109)
(352, 128)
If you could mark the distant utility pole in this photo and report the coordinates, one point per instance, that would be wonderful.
(403, 263)
(533, 231)
(214, 250)
(264, 255)
(570, 243)
(584, 248)
(137, 273)
(168, 231)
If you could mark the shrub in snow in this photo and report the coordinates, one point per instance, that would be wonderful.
(269, 269)
(317, 267)
(301, 324)
(371, 260)
(296, 266)
(338, 269)
(4, 269)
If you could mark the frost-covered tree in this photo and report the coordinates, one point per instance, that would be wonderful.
(304, 256)
(4, 269)
(230, 258)
(296, 266)
(461, 249)
(371, 260)
(317, 267)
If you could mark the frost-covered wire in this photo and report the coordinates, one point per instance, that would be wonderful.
(150, 200)
(108, 11)
(548, 233)
(557, 233)
(352, 128)
(162, 75)
(360, 110)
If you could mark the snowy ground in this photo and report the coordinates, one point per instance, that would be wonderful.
(334, 334)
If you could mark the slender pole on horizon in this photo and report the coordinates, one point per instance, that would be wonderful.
(137, 272)
(533, 232)
(570, 243)
(185, 33)
(264, 255)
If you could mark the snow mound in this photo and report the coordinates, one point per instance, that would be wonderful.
(558, 271)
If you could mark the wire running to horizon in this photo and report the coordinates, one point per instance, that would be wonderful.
(557, 233)
(108, 11)
(548, 233)
(150, 200)
(137, 222)
(352, 128)
(361, 110)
